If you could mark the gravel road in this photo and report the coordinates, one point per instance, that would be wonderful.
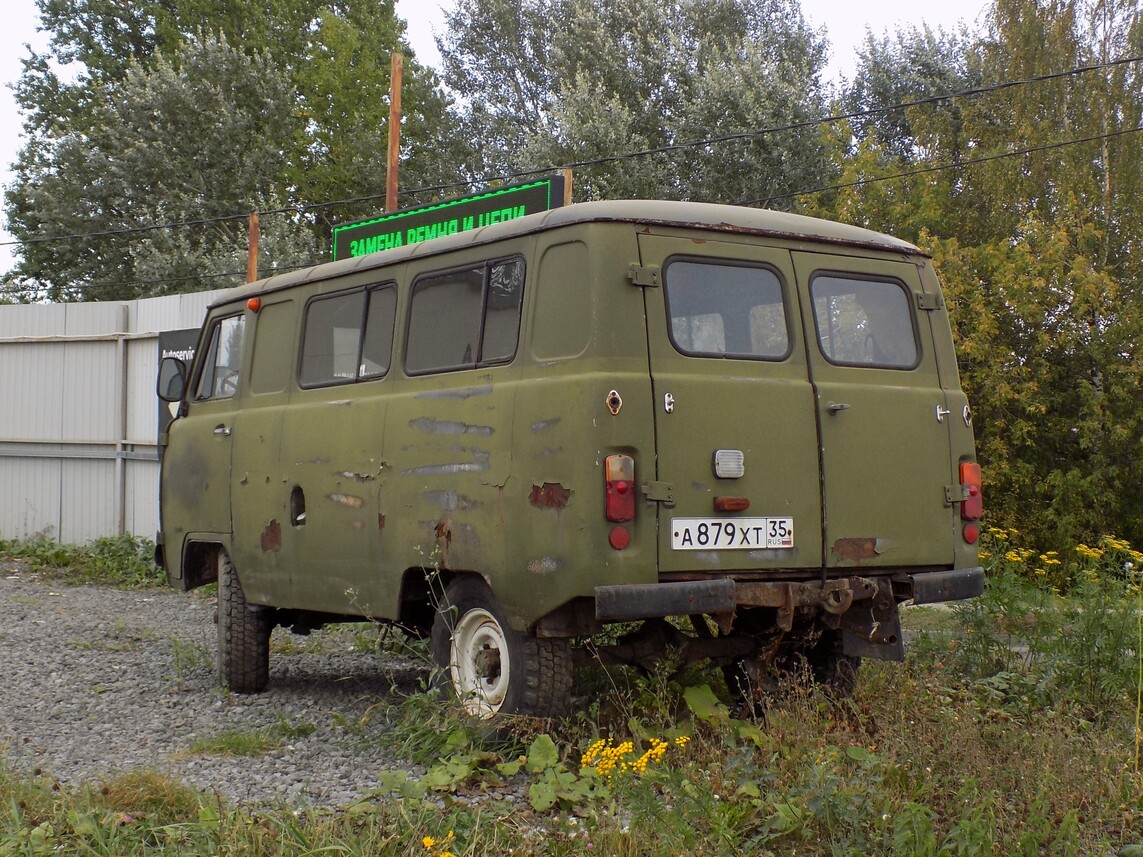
(100, 681)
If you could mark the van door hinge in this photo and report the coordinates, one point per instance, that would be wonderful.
(954, 494)
(644, 275)
(660, 492)
(929, 301)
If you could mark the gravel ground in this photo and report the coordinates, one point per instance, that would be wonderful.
(100, 681)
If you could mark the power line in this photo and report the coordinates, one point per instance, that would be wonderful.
(606, 159)
(931, 168)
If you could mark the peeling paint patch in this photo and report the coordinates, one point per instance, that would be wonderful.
(546, 425)
(479, 464)
(544, 565)
(358, 525)
(431, 426)
(381, 522)
(272, 537)
(550, 495)
(464, 393)
(357, 477)
(550, 452)
(451, 501)
(350, 501)
(856, 550)
(340, 403)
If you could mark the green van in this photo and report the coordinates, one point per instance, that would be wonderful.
(741, 432)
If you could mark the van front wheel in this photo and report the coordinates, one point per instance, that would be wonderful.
(491, 668)
(243, 635)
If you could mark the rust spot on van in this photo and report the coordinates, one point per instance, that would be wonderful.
(350, 501)
(443, 533)
(272, 537)
(856, 550)
(550, 495)
(381, 522)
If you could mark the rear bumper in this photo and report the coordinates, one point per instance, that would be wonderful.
(627, 602)
(934, 586)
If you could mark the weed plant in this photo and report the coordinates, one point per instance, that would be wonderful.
(1010, 730)
(125, 562)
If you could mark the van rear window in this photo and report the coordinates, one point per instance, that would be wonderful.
(718, 309)
(864, 322)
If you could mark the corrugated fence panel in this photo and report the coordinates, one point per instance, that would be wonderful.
(143, 498)
(142, 403)
(175, 312)
(91, 391)
(30, 499)
(31, 404)
(78, 414)
(32, 320)
(87, 500)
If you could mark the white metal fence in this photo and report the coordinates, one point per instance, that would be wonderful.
(78, 415)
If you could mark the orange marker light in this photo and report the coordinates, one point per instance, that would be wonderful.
(254, 304)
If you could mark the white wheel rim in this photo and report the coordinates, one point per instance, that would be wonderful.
(479, 663)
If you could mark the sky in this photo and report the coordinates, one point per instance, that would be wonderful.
(845, 20)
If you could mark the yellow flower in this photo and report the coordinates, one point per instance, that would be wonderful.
(428, 842)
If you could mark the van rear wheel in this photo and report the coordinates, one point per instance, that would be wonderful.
(492, 669)
(243, 635)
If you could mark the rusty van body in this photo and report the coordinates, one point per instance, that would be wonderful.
(508, 438)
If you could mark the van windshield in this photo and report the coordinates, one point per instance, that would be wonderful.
(725, 310)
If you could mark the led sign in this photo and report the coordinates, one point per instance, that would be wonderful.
(413, 225)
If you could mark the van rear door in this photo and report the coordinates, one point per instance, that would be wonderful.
(737, 454)
(883, 416)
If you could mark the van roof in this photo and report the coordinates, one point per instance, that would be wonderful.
(690, 215)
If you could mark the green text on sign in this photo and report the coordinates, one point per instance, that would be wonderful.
(413, 225)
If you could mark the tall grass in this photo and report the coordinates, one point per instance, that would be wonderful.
(1010, 730)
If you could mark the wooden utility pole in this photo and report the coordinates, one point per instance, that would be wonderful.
(396, 64)
(567, 185)
(253, 233)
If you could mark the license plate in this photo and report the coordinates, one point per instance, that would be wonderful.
(731, 533)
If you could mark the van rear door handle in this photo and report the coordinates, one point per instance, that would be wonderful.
(222, 430)
(835, 407)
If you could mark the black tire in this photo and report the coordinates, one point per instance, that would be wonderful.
(243, 635)
(492, 669)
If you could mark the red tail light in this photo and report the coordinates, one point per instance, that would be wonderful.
(973, 506)
(619, 471)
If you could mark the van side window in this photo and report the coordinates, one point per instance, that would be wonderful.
(466, 318)
(864, 322)
(719, 309)
(377, 342)
(331, 339)
(222, 361)
(348, 336)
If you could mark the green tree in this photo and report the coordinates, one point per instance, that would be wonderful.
(1032, 211)
(551, 82)
(197, 137)
(321, 137)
